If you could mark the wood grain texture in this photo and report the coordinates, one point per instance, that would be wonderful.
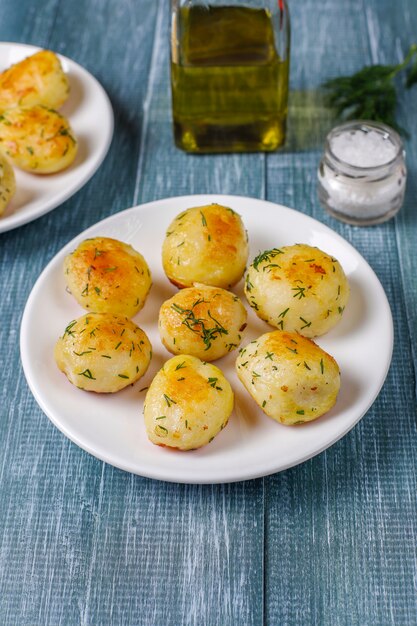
(341, 523)
(330, 542)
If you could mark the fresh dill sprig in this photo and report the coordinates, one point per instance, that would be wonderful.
(198, 324)
(371, 93)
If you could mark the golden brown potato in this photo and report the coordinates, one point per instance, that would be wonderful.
(7, 183)
(103, 352)
(37, 139)
(38, 79)
(205, 244)
(291, 378)
(187, 404)
(108, 276)
(297, 288)
(202, 321)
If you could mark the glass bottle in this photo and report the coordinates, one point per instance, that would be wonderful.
(229, 74)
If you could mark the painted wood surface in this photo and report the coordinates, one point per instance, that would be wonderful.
(330, 542)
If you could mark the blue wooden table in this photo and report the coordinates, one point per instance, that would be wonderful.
(330, 542)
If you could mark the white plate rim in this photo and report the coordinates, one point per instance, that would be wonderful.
(20, 218)
(181, 477)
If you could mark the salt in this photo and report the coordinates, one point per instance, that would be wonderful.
(363, 149)
(362, 173)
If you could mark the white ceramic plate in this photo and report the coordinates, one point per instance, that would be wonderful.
(90, 114)
(111, 426)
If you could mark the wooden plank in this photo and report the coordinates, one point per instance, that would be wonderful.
(392, 29)
(341, 528)
(30, 22)
(51, 489)
(200, 549)
(83, 542)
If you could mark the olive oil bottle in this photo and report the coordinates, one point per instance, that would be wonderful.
(229, 76)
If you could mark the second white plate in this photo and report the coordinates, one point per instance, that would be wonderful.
(111, 426)
(90, 114)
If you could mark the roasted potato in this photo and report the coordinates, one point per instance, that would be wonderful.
(202, 321)
(38, 79)
(7, 183)
(108, 276)
(205, 244)
(290, 377)
(37, 139)
(187, 404)
(103, 352)
(297, 288)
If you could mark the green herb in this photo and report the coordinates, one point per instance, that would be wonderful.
(306, 324)
(68, 330)
(180, 366)
(122, 376)
(253, 303)
(82, 353)
(371, 94)
(87, 374)
(161, 417)
(268, 267)
(282, 315)
(161, 431)
(213, 383)
(106, 356)
(169, 400)
(300, 412)
(248, 284)
(321, 366)
(203, 219)
(97, 290)
(198, 324)
(110, 269)
(299, 292)
(118, 345)
(266, 256)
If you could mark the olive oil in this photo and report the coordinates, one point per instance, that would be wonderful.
(229, 86)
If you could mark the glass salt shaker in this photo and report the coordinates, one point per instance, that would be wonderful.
(362, 173)
(229, 74)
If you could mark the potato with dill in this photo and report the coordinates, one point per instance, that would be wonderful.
(37, 139)
(187, 404)
(102, 352)
(202, 321)
(7, 183)
(205, 244)
(38, 79)
(108, 276)
(290, 377)
(297, 288)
